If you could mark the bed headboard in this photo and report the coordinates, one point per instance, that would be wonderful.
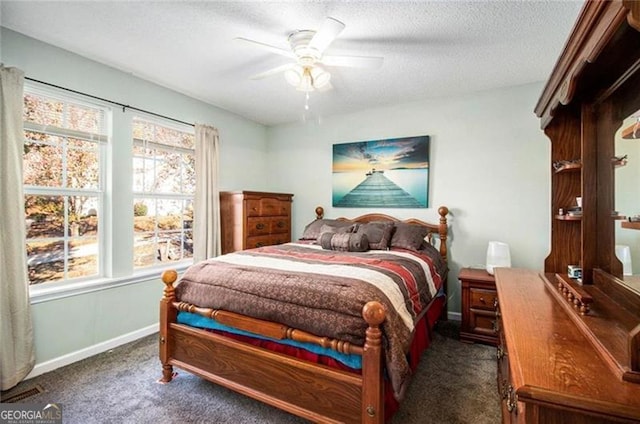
(439, 230)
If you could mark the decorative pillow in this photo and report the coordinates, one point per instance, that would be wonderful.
(408, 236)
(312, 230)
(338, 229)
(344, 242)
(378, 233)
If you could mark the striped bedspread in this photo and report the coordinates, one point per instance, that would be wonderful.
(322, 292)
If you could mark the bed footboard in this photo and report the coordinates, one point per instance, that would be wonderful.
(312, 391)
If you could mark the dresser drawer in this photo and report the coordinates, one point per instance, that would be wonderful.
(261, 241)
(482, 322)
(257, 226)
(483, 299)
(268, 207)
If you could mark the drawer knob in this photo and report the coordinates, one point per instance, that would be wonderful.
(280, 224)
(260, 226)
(482, 300)
(495, 302)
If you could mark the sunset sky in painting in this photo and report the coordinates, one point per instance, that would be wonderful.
(392, 153)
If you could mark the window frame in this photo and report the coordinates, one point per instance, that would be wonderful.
(114, 273)
(166, 123)
(103, 142)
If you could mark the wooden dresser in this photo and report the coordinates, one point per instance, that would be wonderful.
(478, 306)
(551, 367)
(250, 219)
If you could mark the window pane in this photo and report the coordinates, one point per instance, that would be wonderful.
(44, 216)
(142, 130)
(83, 168)
(144, 215)
(43, 111)
(187, 244)
(189, 174)
(42, 164)
(168, 172)
(83, 215)
(169, 214)
(45, 261)
(143, 174)
(83, 258)
(144, 250)
(84, 118)
(170, 246)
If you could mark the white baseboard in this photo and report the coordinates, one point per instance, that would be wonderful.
(78, 355)
(454, 316)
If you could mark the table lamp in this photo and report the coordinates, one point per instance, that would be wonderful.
(498, 255)
(624, 254)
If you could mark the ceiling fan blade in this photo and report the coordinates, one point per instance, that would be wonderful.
(273, 71)
(353, 61)
(272, 49)
(328, 32)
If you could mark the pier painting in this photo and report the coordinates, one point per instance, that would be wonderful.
(390, 173)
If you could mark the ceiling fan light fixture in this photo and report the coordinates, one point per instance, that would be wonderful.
(294, 75)
(306, 83)
(320, 77)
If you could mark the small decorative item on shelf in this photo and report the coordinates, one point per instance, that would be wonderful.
(574, 271)
(575, 211)
(498, 255)
(619, 160)
(559, 165)
(635, 218)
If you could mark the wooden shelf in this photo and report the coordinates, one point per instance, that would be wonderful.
(632, 132)
(635, 225)
(569, 167)
(568, 217)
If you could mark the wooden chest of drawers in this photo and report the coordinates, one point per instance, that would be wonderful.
(479, 299)
(250, 219)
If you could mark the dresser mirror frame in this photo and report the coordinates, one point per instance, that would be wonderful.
(594, 86)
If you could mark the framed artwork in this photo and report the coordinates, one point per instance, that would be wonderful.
(389, 173)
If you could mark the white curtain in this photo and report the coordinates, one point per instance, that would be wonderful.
(16, 332)
(206, 208)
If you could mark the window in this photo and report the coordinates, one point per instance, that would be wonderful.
(65, 141)
(163, 188)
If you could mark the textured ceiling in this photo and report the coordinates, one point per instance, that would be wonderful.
(430, 48)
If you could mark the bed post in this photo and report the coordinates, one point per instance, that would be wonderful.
(372, 376)
(167, 316)
(442, 231)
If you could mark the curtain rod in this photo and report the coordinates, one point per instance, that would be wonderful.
(124, 107)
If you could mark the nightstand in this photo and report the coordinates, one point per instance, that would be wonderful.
(479, 301)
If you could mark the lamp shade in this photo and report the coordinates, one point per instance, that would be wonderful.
(624, 254)
(498, 255)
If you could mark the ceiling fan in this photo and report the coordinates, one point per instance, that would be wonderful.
(307, 70)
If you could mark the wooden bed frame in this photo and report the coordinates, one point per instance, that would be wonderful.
(315, 392)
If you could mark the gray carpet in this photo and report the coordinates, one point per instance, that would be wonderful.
(455, 383)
